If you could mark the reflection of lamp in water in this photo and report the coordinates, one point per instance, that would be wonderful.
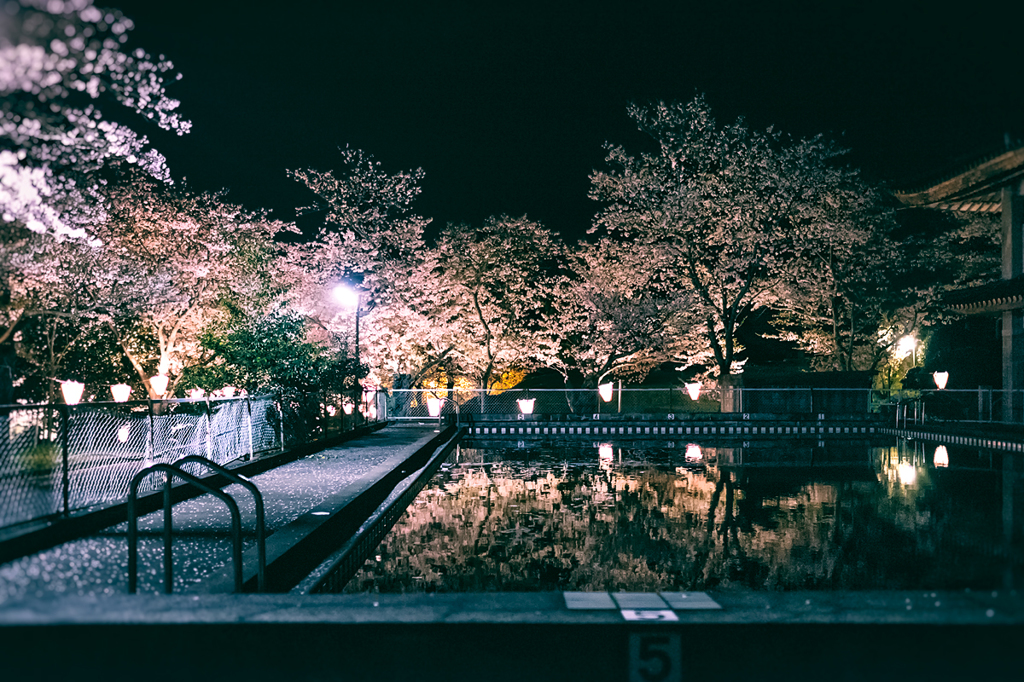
(941, 456)
(907, 473)
(605, 391)
(72, 391)
(605, 451)
(434, 407)
(693, 453)
(940, 379)
(347, 407)
(526, 405)
(120, 392)
(694, 389)
(122, 433)
(332, 410)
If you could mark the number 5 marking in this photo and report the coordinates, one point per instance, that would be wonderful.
(655, 657)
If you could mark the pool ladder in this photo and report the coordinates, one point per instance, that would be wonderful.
(172, 470)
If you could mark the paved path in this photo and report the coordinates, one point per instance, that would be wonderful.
(97, 565)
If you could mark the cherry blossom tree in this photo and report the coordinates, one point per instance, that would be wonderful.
(502, 278)
(615, 317)
(60, 62)
(733, 210)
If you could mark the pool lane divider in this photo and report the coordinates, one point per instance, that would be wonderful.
(298, 548)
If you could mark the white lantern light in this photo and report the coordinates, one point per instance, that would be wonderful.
(693, 453)
(72, 391)
(159, 383)
(229, 391)
(526, 405)
(346, 296)
(332, 410)
(196, 393)
(940, 379)
(605, 451)
(605, 391)
(434, 407)
(907, 473)
(941, 456)
(694, 390)
(121, 392)
(123, 432)
(347, 407)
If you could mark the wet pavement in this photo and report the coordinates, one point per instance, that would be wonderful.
(97, 565)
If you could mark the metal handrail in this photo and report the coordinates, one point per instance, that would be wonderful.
(133, 530)
(261, 545)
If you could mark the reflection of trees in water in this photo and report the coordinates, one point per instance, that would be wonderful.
(525, 525)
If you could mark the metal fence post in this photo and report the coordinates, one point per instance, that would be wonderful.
(64, 442)
(209, 429)
(280, 419)
(248, 405)
(152, 430)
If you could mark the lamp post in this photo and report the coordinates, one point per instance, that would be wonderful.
(349, 298)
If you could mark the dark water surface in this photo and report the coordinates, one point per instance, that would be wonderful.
(770, 516)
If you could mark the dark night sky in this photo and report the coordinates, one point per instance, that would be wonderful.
(506, 109)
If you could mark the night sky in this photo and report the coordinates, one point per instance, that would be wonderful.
(507, 109)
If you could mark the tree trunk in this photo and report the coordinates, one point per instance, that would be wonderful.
(728, 387)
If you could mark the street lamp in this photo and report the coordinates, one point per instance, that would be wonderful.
(940, 379)
(605, 391)
(349, 298)
(693, 390)
(908, 346)
(159, 383)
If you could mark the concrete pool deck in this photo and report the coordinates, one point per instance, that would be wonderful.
(904, 635)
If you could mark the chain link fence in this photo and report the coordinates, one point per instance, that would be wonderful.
(59, 459)
(414, 403)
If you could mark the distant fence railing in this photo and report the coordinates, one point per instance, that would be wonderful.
(60, 459)
(904, 406)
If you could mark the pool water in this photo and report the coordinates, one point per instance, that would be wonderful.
(886, 514)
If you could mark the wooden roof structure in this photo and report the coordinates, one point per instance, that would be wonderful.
(976, 189)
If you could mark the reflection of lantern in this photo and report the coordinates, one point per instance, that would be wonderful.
(940, 379)
(941, 456)
(605, 391)
(693, 453)
(347, 408)
(694, 389)
(159, 383)
(121, 392)
(434, 407)
(122, 433)
(907, 473)
(526, 405)
(72, 391)
(605, 451)
(332, 410)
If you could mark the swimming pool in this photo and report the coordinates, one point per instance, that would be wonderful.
(858, 514)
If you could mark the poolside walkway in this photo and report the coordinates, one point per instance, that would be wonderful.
(96, 565)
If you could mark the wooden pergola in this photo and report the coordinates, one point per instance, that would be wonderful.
(992, 185)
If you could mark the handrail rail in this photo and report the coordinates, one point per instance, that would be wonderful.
(133, 530)
(261, 545)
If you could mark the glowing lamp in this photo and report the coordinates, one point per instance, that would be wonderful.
(122, 433)
(159, 383)
(228, 391)
(526, 405)
(693, 390)
(605, 451)
(906, 346)
(196, 393)
(605, 391)
(434, 407)
(907, 473)
(72, 391)
(346, 296)
(940, 379)
(941, 456)
(693, 453)
(121, 392)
